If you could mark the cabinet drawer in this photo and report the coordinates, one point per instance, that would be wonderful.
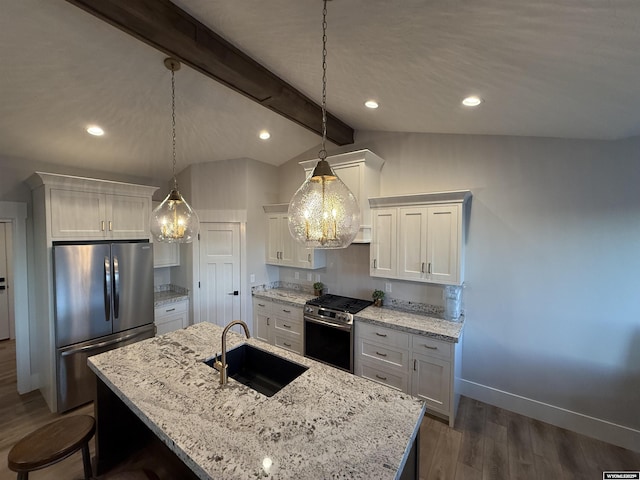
(262, 306)
(171, 309)
(394, 380)
(288, 325)
(387, 336)
(286, 312)
(431, 346)
(288, 343)
(390, 356)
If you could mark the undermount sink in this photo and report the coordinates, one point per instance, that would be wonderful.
(262, 371)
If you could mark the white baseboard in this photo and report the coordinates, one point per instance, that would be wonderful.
(577, 422)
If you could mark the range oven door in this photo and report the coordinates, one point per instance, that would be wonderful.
(329, 343)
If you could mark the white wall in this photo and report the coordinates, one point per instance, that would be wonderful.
(553, 246)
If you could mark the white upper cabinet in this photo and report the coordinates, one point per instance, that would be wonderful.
(89, 209)
(419, 237)
(281, 248)
(360, 172)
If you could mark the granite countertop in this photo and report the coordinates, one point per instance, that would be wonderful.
(325, 424)
(284, 296)
(168, 296)
(412, 323)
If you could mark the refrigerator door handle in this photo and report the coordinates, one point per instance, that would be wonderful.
(116, 288)
(107, 289)
(95, 346)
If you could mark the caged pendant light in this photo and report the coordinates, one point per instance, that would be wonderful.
(174, 221)
(323, 213)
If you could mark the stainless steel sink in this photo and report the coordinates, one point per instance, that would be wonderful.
(262, 371)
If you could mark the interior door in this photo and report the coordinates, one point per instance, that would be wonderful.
(5, 320)
(219, 273)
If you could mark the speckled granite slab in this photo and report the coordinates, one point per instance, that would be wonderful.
(412, 323)
(168, 296)
(291, 297)
(325, 424)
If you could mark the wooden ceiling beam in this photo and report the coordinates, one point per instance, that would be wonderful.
(173, 31)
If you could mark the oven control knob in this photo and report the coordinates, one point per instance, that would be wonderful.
(341, 316)
(308, 309)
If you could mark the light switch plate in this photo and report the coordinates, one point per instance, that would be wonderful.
(387, 287)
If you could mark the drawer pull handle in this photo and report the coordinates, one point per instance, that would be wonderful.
(261, 304)
(286, 311)
(429, 268)
(429, 347)
(381, 334)
(286, 344)
(381, 354)
(110, 226)
(415, 364)
(380, 377)
(422, 268)
(169, 310)
(102, 225)
(286, 326)
(267, 321)
(375, 263)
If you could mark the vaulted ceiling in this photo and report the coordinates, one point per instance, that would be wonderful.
(556, 68)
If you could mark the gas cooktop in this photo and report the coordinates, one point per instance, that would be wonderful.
(339, 303)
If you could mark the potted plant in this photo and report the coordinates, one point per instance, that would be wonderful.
(317, 288)
(378, 296)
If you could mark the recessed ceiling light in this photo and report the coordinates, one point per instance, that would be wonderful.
(472, 101)
(95, 131)
(371, 104)
(264, 135)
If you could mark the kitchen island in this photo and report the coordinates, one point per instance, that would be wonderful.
(325, 424)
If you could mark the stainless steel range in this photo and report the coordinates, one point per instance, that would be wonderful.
(328, 329)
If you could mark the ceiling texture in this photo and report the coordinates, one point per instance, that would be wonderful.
(552, 68)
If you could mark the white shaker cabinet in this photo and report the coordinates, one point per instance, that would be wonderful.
(77, 214)
(171, 316)
(419, 237)
(419, 365)
(278, 324)
(281, 248)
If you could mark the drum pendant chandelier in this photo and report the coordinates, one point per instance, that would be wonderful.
(323, 213)
(174, 221)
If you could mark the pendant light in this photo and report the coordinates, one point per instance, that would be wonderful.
(323, 213)
(174, 221)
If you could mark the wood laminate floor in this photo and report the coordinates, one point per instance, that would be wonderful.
(486, 443)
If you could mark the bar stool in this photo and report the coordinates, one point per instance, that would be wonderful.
(52, 443)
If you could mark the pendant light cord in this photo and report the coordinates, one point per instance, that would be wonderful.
(323, 151)
(173, 125)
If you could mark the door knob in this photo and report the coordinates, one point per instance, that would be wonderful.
(235, 292)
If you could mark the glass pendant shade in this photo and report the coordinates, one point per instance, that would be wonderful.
(174, 221)
(324, 213)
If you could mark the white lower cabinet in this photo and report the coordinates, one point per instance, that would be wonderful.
(415, 364)
(278, 324)
(171, 316)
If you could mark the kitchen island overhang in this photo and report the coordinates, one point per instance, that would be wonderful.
(325, 424)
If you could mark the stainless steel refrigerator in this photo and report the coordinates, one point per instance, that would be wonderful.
(103, 300)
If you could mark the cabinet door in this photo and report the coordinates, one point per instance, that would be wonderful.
(262, 323)
(412, 243)
(78, 215)
(273, 239)
(128, 216)
(444, 243)
(431, 381)
(288, 246)
(383, 251)
(166, 254)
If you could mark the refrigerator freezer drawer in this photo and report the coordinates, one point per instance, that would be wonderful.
(76, 382)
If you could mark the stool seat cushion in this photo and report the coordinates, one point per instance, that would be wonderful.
(51, 443)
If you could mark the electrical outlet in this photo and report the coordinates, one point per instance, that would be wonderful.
(252, 278)
(296, 275)
(387, 287)
(309, 277)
